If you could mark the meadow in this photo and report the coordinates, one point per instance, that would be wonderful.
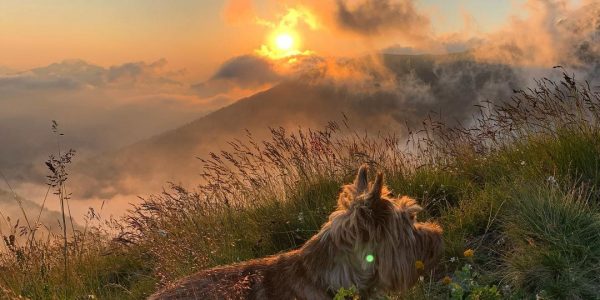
(516, 191)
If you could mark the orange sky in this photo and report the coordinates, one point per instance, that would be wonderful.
(195, 35)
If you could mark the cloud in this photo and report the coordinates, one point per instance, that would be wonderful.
(31, 82)
(78, 74)
(242, 72)
(373, 17)
(135, 73)
(247, 70)
(553, 33)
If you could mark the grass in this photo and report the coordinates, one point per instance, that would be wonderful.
(554, 251)
(518, 187)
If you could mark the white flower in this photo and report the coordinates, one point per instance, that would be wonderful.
(522, 163)
(551, 179)
(301, 217)
(453, 259)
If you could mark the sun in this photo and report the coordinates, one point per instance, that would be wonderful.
(284, 41)
(281, 44)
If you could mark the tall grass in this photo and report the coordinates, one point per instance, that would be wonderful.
(518, 185)
(83, 262)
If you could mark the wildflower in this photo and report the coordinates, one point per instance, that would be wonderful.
(446, 280)
(551, 179)
(453, 259)
(469, 253)
(522, 163)
(420, 265)
(301, 217)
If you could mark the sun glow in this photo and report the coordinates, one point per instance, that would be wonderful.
(284, 40)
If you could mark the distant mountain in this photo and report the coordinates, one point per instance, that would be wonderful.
(450, 84)
(6, 70)
(9, 207)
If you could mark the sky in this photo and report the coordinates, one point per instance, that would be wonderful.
(193, 35)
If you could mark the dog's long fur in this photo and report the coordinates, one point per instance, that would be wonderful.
(367, 222)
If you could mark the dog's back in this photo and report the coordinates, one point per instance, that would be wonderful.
(243, 281)
(277, 277)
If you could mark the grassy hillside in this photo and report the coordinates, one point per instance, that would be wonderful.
(516, 193)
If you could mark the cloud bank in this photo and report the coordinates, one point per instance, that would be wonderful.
(370, 17)
(100, 109)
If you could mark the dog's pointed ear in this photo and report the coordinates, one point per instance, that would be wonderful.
(411, 207)
(361, 183)
(349, 192)
(377, 188)
(376, 202)
(414, 210)
(377, 185)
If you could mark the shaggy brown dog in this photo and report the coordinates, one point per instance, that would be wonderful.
(371, 242)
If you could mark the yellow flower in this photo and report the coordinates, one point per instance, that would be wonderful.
(469, 253)
(446, 280)
(420, 265)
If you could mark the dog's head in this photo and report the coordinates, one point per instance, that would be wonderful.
(384, 233)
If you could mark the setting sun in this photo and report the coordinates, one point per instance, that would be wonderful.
(282, 44)
(284, 35)
(284, 41)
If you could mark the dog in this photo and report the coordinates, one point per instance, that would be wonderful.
(371, 242)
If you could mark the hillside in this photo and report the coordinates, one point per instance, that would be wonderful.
(516, 193)
(422, 84)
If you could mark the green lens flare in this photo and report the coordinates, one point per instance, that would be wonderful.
(370, 258)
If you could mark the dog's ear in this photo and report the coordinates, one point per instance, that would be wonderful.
(411, 207)
(377, 187)
(349, 192)
(361, 183)
(376, 191)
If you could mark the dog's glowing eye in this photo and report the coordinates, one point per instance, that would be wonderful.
(369, 258)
